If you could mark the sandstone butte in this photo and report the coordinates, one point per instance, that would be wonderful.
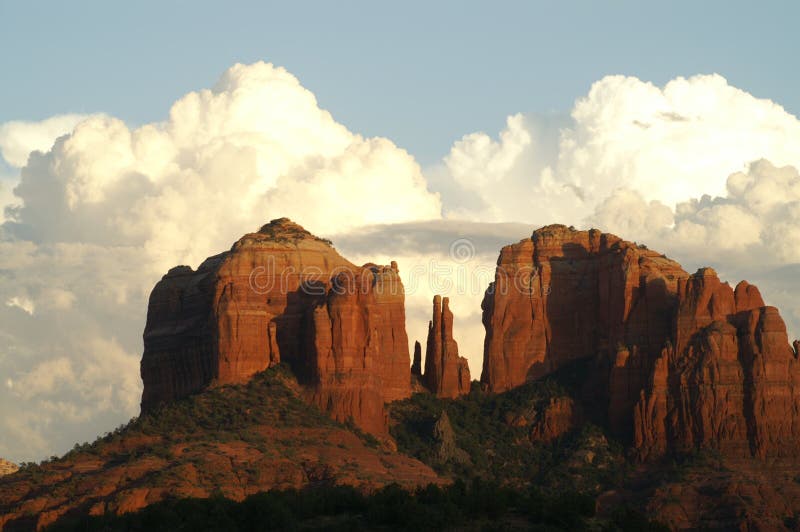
(678, 361)
(446, 373)
(281, 294)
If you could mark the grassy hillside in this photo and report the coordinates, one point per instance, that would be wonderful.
(232, 441)
(491, 444)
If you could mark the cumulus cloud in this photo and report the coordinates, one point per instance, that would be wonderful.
(666, 143)
(751, 232)
(19, 138)
(697, 168)
(6, 194)
(671, 143)
(101, 210)
(754, 224)
(507, 179)
(254, 146)
(101, 213)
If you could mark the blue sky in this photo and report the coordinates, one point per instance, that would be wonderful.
(420, 73)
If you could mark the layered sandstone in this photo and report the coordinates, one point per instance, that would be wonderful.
(281, 294)
(680, 361)
(731, 381)
(446, 373)
(359, 347)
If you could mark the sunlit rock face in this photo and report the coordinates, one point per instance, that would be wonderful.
(678, 361)
(281, 294)
(446, 373)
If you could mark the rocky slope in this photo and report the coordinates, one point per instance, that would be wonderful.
(446, 373)
(680, 361)
(281, 294)
(232, 440)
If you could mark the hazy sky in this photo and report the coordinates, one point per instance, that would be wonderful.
(420, 73)
(140, 136)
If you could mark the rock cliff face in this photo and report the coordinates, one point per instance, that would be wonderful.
(558, 417)
(446, 373)
(281, 294)
(731, 381)
(681, 361)
(359, 347)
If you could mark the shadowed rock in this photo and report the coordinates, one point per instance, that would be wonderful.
(679, 361)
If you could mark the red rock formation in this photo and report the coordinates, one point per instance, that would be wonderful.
(464, 379)
(558, 417)
(733, 384)
(273, 298)
(689, 362)
(563, 294)
(359, 347)
(416, 365)
(446, 373)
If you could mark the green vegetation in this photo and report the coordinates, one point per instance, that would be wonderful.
(285, 231)
(476, 505)
(496, 448)
(218, 415)
(504, 478)
(227, 412)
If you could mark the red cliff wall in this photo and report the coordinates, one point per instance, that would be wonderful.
(682, 361)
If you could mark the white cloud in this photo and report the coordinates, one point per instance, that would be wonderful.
(630, 215)
(107, 209)
(745, 234)
(755, 224)
(508, 179)
(668, 144)
(651, 164)
(671, 143)
(19, 138)
(6, 195)
(477, 161)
